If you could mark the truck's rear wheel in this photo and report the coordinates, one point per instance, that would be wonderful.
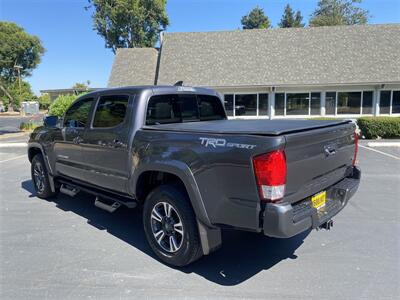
(170, 226)
(40, 178)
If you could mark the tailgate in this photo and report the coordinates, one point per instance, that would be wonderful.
(317, 159)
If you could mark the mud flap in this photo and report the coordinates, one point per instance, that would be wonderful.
(210, 238)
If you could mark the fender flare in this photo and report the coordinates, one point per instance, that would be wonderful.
(183, 172)
(210, 236)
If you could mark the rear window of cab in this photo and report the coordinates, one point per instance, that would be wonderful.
(178, 108)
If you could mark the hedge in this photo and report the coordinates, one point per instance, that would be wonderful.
(384, 127)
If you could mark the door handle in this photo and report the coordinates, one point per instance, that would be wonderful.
(117, 144)
(329, 152)
(77, 140)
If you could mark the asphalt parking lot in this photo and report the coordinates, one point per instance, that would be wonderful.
(69, 249)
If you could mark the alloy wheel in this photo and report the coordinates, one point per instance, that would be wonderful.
(39, 177)
(167, 227)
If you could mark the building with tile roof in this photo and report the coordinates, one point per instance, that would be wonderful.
(342, 71)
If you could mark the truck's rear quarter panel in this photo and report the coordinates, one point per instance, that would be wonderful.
(224, 175)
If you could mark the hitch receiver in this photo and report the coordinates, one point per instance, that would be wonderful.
(327, 225)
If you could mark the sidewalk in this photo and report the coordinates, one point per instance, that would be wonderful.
(10, 114)
(14, 137)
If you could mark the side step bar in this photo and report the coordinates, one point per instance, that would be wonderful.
(109, 206)
(104, 199)
(69, 190)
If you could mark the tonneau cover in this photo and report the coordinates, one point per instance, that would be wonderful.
(258, 127)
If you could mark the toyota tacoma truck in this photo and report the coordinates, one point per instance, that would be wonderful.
(172, 151)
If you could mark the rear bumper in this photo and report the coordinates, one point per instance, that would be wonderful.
(286, 220)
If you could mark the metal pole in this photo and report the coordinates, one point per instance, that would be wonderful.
(19, 81)
(18, 68)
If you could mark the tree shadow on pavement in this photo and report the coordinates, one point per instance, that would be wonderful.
(242, 255)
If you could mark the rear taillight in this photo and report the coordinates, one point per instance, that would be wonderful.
(355, 149)
(270, 172)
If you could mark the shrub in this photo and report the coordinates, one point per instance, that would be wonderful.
(384, 127)
(44, 101)
(61, 104)
(28, 126)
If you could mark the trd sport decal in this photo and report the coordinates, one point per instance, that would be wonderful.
(214, 143)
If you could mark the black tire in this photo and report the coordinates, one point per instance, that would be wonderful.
(190, 247)
(43, 189)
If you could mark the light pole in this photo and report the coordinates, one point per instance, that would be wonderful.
(19, 68)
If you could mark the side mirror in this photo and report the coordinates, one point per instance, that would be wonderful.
(50, 121)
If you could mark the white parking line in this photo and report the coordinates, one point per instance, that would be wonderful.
(383, 144)
(381, 152)
(13, 145)
(13, 158)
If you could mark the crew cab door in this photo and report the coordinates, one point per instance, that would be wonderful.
(67, 148)
(105, 144)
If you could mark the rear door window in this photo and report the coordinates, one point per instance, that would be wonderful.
(178, 108)
(163, 109)
(110, 111)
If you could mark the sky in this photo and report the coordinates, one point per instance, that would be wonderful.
(75, 53)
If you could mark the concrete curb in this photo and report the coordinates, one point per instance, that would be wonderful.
(383, 144)
(13, 145)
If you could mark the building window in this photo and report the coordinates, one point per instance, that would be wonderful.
(315, 104)
(263, 104)
(279, 104)
(367, 102)
(396, 102)
(330, 103)
(246, 105)
(385, 102)
(228, 102)
(297, 104)
(349, 103)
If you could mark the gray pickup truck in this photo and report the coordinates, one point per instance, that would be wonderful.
(172, 151)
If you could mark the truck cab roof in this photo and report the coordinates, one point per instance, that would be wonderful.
(157, 89)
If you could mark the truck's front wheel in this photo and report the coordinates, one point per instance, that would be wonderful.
(170, 226)
(40, 177)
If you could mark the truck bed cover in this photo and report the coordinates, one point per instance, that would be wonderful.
(251, 127)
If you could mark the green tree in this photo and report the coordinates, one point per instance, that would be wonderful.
(129, 23)
(255, 19)
(61, 104)
(339, 12)
(290, 18)
(44, 101)
(13, 94)
(81, 85)
(18, 51)
(18, 48)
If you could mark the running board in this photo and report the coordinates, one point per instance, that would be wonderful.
(69, 190)
(105, 196)
(109, 206)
